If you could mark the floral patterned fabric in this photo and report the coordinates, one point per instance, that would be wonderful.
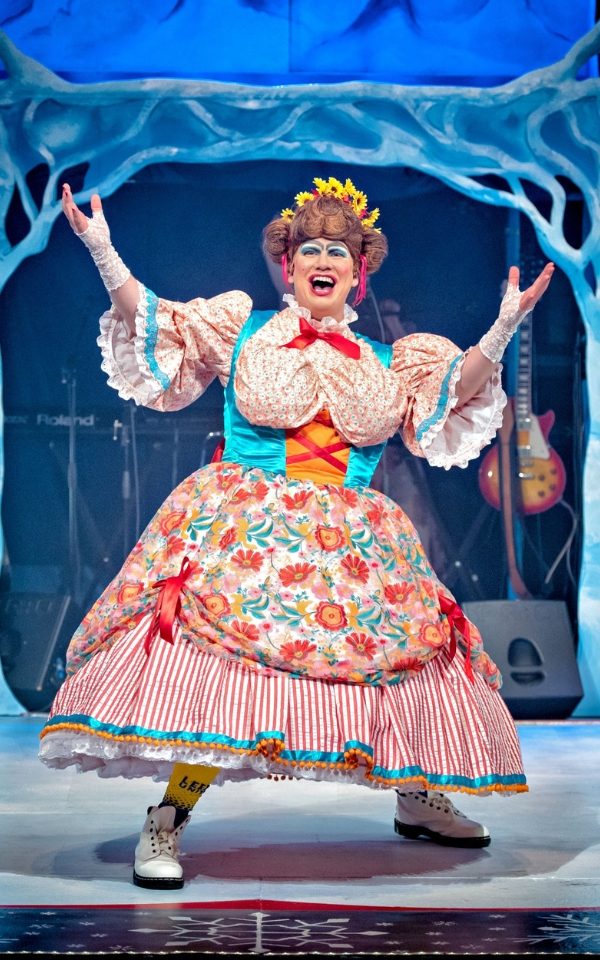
(318, 580)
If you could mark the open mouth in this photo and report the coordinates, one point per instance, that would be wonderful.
(322, 283)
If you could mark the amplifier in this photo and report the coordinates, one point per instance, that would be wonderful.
(52, 423)
(35, 632)
(533, 645)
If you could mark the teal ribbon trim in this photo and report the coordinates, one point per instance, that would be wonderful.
(151, 338)
(331, 757)
(446, 780)
(294, 756)
(98, 726)
(442, 403)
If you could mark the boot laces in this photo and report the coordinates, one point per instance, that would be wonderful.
(167, 839)
(442, 802)
(435, 799)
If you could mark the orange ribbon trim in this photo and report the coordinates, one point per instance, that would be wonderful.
(458, 621)
(308, 334)
(168, 606)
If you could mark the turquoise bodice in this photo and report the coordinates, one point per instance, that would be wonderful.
(264, 447)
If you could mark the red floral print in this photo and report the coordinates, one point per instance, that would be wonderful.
(249, 559)
(297, 650)
(431, 635)
(362, 645)
(355, 567)
(375, 515)
(402, 664)
(296, 573)
(171, 521)
(246, 631)
(398, 592)
(349, 496)
(128, 592)
(216, 604)
(330, 538)
(332, 616)
(177, 545)
(226, 480)
(429, 589)
(240, 495)
(296, 501)
(227, 538)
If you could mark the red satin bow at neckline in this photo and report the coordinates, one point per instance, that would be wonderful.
(458, 621)
(168, 605)
(308, 334)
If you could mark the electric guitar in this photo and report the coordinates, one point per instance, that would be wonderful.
(540, 476)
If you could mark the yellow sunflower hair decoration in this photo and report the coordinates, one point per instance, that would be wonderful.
(341, 191)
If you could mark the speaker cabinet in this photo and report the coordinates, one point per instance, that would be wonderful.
(532, 643)
(35, 630)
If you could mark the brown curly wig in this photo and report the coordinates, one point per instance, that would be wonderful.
(328, 217)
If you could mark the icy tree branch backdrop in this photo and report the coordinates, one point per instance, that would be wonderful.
(493, 144)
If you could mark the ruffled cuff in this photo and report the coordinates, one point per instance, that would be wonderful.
(128, 359)
(452, 437)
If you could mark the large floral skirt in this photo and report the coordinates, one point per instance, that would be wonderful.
(274, 626)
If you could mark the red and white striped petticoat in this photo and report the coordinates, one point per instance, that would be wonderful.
(129, 713)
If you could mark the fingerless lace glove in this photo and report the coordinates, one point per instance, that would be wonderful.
(495, 341)
(96, 237)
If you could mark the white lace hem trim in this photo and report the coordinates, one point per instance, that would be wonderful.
(134, 760)
(124, 358)
(459, 436)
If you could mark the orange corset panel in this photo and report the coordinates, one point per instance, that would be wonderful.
(315, 451)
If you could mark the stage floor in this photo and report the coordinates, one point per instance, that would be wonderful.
(286, 867)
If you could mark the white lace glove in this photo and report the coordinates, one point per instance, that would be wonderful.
(495, 341)
(96, 237)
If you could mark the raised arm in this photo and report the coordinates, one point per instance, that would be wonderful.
(117, 278)
(481, 360)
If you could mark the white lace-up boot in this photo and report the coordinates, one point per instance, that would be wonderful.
(157, 853)
(431, 814)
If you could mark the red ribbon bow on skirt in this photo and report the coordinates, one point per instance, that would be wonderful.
(458, 621)
(168, 606)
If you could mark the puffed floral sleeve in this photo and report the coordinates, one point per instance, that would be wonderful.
(176, 349)
(434, 426)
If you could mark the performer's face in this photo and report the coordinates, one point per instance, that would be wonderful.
(322, 273)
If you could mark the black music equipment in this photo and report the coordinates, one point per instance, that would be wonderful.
(531, 641)
(35, 629)
(167, 447)
(53, 422)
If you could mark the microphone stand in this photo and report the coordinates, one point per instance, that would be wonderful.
(69, 378)
(175, 459)
(125, 480)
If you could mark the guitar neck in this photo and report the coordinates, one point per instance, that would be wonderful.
(531, 267)
(523, 404)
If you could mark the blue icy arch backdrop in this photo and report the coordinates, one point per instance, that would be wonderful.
(497, 100)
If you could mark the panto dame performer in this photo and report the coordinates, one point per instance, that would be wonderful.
(278, 616)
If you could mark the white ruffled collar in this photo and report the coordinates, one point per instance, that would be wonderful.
(326, 323)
